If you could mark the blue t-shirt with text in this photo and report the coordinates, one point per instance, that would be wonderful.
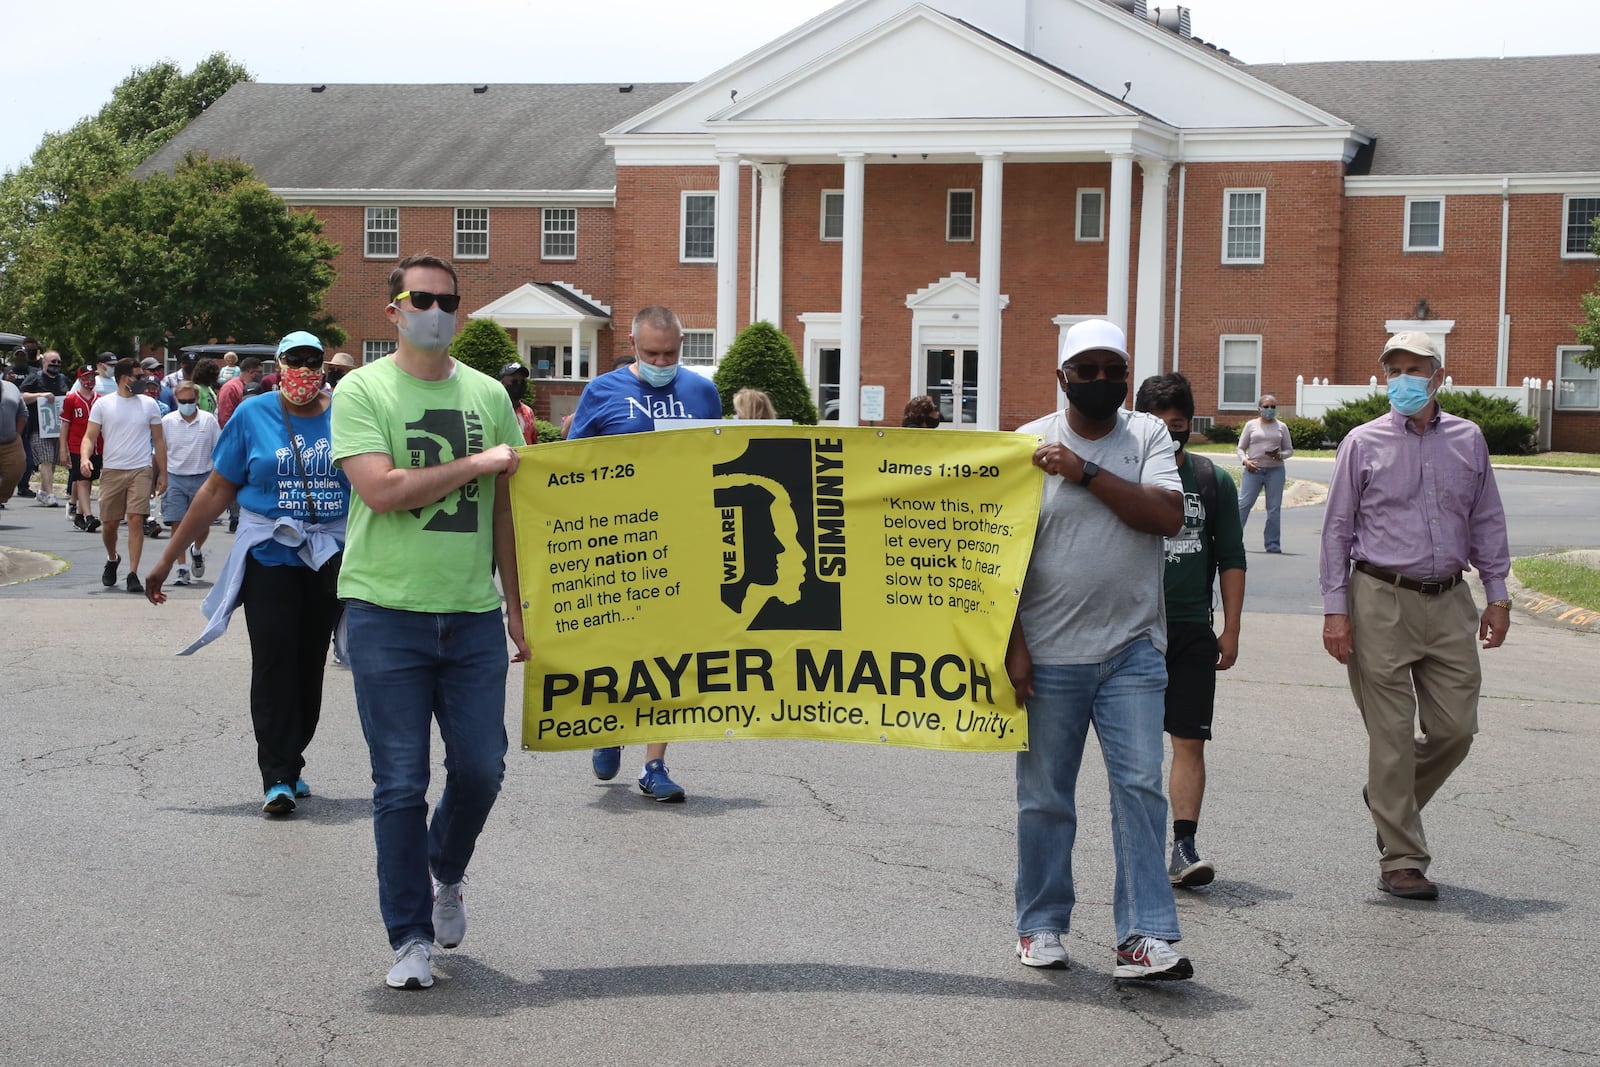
(620, 402)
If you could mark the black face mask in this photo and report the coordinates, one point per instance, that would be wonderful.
(1097, 400)
(332, 377)
(1180, 439)
(517, 389)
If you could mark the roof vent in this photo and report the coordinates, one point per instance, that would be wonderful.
(318, 88)
(1133, 7)
(1175, 19)
(624, 88)
(480, 89)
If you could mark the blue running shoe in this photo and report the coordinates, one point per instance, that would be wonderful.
(279, 799)
(655, 783)
(301, 789)
(607, 762)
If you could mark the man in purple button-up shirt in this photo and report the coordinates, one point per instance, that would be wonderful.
(1412, 504)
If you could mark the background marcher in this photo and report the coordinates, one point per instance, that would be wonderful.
(1264, 444)
(127, 426)
(191, 437)
(42, 390)
(514, 376)
(13, 424)
(74, 421)
(753, 404)
(921, 412)
(1412, 503)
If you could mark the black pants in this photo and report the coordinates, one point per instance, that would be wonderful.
(291, 619)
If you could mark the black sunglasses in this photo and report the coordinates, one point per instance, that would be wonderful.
(1084, 372)
(301, 357)
(422, 301)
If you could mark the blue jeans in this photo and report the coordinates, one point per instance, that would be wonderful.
(1250, 485)
(409, 668)
(1124, 698)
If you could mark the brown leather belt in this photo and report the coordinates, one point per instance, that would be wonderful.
(1431, 587)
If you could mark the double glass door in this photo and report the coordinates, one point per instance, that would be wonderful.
(951, 375)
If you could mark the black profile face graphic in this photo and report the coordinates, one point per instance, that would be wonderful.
(765, 511)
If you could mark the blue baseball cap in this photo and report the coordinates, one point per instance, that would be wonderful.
(299, 339)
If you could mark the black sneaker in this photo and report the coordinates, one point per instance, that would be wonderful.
(152, 529)
(80, 522)
(233, 525)
(25, 493)
(134, 584)
(1187, 869)
(108, 577)
(94, 524)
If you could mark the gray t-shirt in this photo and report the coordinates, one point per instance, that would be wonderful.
(10, 405)
(1094, 585)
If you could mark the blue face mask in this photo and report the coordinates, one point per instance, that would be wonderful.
(657, 376)
(1409, 394)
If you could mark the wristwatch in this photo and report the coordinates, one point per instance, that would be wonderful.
(1090, 469)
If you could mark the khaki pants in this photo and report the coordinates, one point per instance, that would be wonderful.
(1415, 664)
(13, 461)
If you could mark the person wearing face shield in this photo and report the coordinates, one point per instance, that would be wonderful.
(1088, 649)
(429, 445)
(1412, 503)
(634, 398)
(1263, 446)
(514, 376)
(274, 459)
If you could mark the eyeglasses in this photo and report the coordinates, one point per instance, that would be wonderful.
(1085, 372)
(448, 302)
(301, 357)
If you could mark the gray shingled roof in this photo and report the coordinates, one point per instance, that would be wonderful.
(416, 136)
(1524, 115)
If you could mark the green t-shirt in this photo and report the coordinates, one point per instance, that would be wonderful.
(435, 558)
(1189, 551)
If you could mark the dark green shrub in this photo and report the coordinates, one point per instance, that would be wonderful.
(1305, 433)
(1507, 432)
(548, 431)
(1339, 421)
(1224, 433)
(484, 345)
(761, 357)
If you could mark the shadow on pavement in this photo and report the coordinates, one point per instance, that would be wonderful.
(1475, 906)
(307, 809)
(623, 798)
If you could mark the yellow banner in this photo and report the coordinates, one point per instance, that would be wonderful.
(845, 584)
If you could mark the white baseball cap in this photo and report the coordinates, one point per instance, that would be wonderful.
(1093, 335)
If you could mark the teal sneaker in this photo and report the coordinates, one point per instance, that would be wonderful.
(301, 789)
(279, 799)
(655, 783)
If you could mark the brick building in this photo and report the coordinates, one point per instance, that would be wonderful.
(924, 197)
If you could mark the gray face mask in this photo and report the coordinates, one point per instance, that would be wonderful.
(429, 331)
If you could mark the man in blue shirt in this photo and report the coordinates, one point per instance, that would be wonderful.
(632, 399)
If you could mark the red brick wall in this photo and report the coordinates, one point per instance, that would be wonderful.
(1291, 300)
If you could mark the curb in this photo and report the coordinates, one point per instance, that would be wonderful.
(1549, 609)
(18, 565)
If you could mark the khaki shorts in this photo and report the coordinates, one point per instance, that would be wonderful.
(124, 493)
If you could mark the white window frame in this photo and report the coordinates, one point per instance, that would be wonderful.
(1562, 352)
(1227, 225)
(369, 231)
(472, 216)
(547, 231)
(1222, 372)
(683, 226)
(1099, 217)
(949, 214)
(1406, 234)
(706, 339)
(1566, 227)
(822, 216)
(372, 351)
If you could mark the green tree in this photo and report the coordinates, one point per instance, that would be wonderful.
(484, 345)
(1589, 328)
(761, 357)
(205, 253)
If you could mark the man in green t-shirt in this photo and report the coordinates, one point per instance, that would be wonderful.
(1211, 544)
(428, 445)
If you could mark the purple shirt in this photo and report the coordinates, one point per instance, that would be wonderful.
(1422, 505)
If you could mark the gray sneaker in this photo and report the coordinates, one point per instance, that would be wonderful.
(1187, 869)
(413, 966)
(449, 914)
(1042, 950)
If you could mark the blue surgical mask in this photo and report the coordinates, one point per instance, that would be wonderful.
(428, 331)
(1269, 413)
(187, 410)
(657, 376)
(1409, 394)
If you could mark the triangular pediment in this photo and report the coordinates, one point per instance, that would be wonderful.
(541, 303)
(921, 64)
(953, 291)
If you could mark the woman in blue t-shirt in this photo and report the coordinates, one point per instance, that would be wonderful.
(275, 456)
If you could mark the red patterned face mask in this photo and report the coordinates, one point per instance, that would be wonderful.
(300, 385)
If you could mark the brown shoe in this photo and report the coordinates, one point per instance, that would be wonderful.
(1408, 882)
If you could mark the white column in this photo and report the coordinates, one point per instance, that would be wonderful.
(1152, 304)
(855, 187)
(1119, 235)
(989, 292)
(769, 245)
(577, 349)
(727, 250)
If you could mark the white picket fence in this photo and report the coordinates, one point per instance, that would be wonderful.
(1534, 397)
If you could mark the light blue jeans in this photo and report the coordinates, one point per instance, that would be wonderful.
(1250, 485)
(409, 668)
(1124, 698)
